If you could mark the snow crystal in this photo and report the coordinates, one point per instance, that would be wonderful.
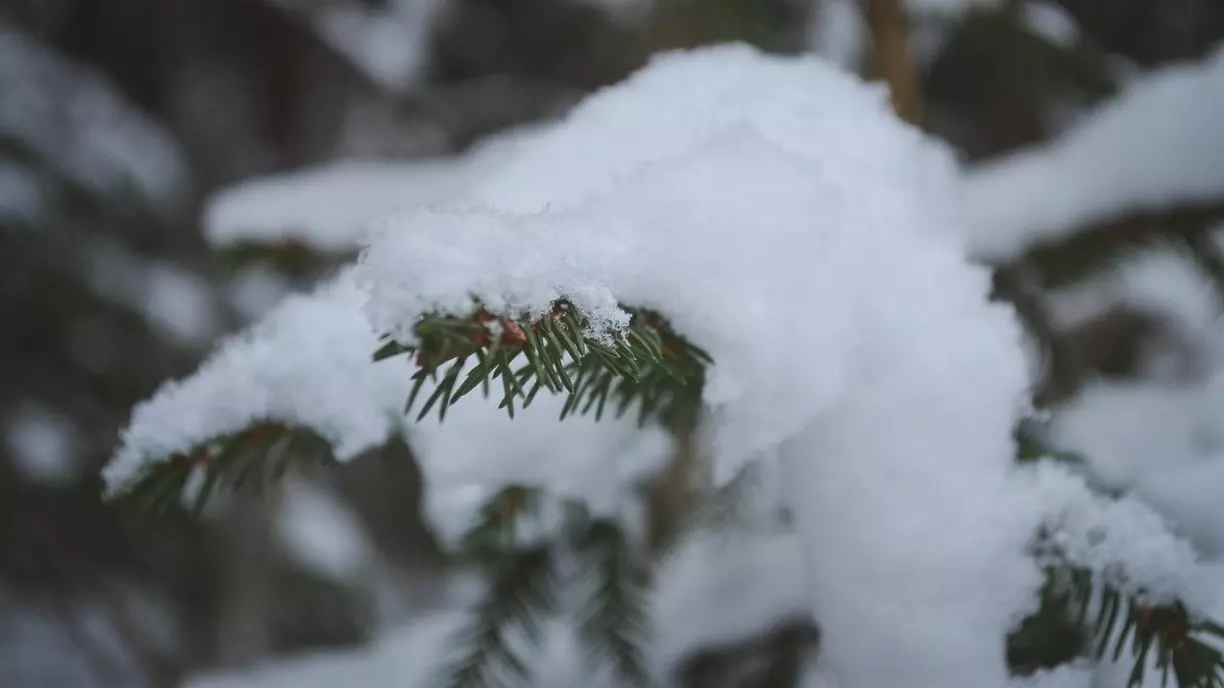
(307, 364)
(1157, 145)
(782, 218)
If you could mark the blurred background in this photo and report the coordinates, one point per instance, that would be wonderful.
(169, 170)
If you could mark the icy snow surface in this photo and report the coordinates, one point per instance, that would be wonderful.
(1157, 145)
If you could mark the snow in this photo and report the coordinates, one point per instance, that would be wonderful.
(406, 657)
(43, 445)
(724, 189)
(710, 591)
(1122, 541)
(478, 450)
(322, 534)
(387, 41)
(1051, 22)
(1162, 282)
(307, 364)
(719, 588)
(77, 123)
(1156, 146)
(778, 214)
(1164, 441)
(837, 32)
(21, 195)
(255, 289)
(948, 7)
(329, 206)
(1067, 676)
(175, 301)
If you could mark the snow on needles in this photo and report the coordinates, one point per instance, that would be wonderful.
(1157, 145)
(307, 364)
(782, 218)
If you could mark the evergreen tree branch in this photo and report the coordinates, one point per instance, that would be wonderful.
(648, 364)
(1162, 637)
(522, 581)
(614, 621)
(251, 458)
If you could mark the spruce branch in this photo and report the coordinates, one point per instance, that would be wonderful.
(614, 621)
(1162, 636)
(520, 595)
(251, 458)
(523, 585)
(522, 580)
(648, 364)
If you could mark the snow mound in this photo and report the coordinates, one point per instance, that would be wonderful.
(783, 219)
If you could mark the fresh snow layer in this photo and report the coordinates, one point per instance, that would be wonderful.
(778, 214)
(1163, 441)
(1158, 145)
(1122, 541)
(782, 218)
(307, 364)
(478, 450)
(329, 206)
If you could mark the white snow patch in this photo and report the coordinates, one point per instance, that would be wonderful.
(43, 445)
(726, 190)
(837, 32)
(329, 207)
(1051, 22)
(79, 124)
(1156, 146)
(1163, 441)
(321, 533)
(478, 450)
(307, 364)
